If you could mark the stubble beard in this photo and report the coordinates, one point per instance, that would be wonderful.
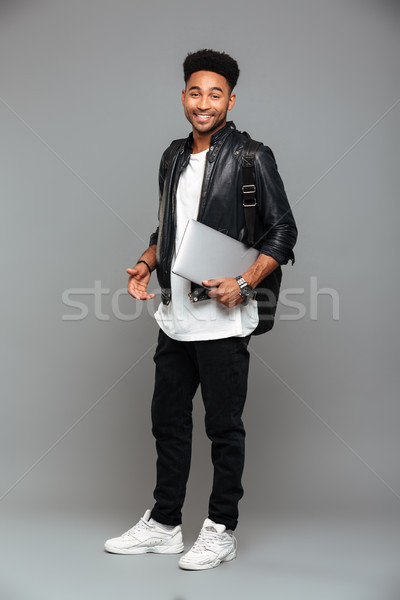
(207, 130)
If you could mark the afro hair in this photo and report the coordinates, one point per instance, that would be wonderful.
(211, 60)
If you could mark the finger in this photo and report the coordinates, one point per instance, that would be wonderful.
(145, 296)
(212, 282)
(215, 292)
(140, 295)
(132, 271)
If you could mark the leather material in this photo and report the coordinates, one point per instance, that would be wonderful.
(221, 205)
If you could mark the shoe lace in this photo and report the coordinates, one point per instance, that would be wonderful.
(208, 538)
(140, 526)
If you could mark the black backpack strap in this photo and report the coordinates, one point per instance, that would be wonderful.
(249, 191)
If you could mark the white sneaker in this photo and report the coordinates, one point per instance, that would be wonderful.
(213, 546)
(147, 537)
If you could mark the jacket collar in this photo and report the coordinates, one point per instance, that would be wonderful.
(216, 141)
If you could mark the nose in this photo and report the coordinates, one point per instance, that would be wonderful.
(203, 103)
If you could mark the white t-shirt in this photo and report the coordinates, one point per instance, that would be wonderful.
(183, 319)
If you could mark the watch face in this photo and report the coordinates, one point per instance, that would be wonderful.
(246, 291)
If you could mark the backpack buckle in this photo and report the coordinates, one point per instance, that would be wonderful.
(249, 190)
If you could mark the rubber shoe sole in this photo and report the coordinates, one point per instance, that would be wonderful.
(196, 567)
(177, 549)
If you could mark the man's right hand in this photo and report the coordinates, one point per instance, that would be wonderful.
(139, 277)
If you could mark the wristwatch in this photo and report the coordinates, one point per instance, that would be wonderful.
(246, 291)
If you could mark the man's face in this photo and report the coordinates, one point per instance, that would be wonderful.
(206, 101)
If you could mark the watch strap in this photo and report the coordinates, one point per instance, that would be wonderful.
(242, 282)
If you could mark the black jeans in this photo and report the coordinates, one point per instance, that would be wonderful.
(221, 368)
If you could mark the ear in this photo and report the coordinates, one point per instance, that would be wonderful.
(232, 101)
(183, 97)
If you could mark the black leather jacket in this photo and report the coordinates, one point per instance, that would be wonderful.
(220, 204)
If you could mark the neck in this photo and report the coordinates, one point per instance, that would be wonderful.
(201, 141)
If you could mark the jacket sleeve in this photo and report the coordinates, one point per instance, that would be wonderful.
(161, 177)
(279, 225)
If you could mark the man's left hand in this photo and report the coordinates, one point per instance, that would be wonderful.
(226, 290)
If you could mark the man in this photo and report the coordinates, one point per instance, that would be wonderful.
(204, 342)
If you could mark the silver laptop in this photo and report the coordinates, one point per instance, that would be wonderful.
(206, 253)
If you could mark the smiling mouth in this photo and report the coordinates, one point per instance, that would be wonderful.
(203, 117)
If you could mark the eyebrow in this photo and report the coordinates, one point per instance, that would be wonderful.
(197, 87)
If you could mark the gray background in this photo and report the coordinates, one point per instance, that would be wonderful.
(90, 97)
